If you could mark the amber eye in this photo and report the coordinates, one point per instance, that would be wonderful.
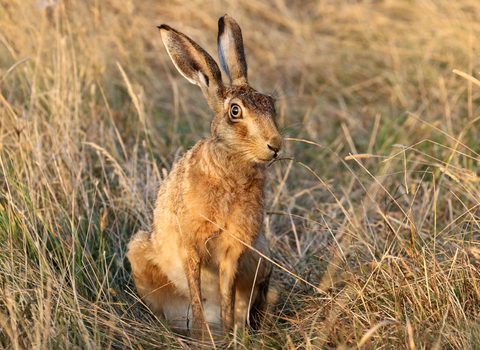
(235, 112)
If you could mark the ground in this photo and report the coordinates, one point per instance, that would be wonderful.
(372, 217)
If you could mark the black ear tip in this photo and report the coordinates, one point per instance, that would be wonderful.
(227, 20)
(221, 26)
(164, 26)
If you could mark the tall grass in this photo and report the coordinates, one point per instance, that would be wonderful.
(376, 203)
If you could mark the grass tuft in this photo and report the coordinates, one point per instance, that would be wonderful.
(373, 213)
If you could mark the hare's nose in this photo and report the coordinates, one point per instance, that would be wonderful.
(275, 151)
(275, 144)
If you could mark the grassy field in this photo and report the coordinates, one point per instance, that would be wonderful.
(377, 211)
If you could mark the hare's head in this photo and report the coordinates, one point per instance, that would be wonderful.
(244, 121)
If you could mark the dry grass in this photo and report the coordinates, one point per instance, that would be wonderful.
(379, 208)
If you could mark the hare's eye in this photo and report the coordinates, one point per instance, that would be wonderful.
(235, 112)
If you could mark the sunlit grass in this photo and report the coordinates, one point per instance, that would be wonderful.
(376, 203)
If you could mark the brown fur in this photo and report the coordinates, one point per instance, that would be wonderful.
(188, 270)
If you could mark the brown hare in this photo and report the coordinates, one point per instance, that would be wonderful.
(193, 269)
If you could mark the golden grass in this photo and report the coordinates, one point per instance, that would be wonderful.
(375, 207)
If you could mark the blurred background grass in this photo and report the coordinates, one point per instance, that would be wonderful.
(380, 211)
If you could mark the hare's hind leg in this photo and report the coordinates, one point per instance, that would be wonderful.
(252, 300)
(152, 284)
(160, 294)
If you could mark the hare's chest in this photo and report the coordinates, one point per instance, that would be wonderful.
(223, 197)
(244, 212)
(224, 201)
(236, 218)
(248, 196)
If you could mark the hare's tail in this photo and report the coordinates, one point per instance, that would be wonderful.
(273, 295)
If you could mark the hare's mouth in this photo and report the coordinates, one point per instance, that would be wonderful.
(267, 160)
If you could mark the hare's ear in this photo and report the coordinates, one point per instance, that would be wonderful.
(193, 63)
(230, 50)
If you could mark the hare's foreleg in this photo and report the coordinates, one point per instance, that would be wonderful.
(194, 284)
(228, 271)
